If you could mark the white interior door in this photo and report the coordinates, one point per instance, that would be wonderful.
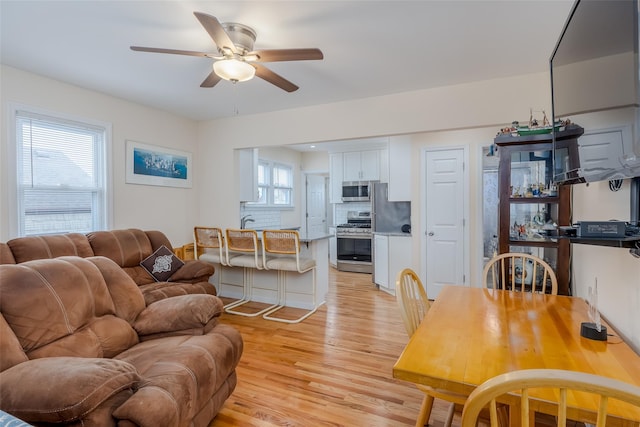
(316, 204)
(445, 210)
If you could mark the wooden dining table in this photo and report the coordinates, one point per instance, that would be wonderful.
(470, 335)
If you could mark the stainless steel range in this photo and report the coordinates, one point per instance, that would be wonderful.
(354, 243)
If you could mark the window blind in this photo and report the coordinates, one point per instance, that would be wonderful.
(61, 185)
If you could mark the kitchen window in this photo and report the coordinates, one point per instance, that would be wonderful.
(60, 174)
(275, 184)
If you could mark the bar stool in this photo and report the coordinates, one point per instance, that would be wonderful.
(242, 250)
(281, 252)
(209, 245)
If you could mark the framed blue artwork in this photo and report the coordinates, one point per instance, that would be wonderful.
(152, 165)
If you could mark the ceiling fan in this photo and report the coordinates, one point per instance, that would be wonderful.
(236, 60)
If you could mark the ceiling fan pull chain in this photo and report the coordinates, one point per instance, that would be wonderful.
(236, 111)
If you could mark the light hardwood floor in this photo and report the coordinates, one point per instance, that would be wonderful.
(333, 369)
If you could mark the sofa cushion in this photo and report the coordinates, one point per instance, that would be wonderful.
(179, 314)
(194, 271)
(130, 247)
(162, 264)
(157, 291)
(180, 374)
(11, 352)
(50, 246)
(157, 239)
(126, 295)
(126, 247)
(79, 386)
(62, 307)
(6, 256)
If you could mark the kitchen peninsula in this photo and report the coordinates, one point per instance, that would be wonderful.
(261, 285)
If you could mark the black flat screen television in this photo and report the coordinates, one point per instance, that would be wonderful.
(594, 83)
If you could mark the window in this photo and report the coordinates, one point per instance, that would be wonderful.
(61, 167)
(275, 184)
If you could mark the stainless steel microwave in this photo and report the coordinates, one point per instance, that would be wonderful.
(356, 191)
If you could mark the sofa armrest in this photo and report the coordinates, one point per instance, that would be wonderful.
(179, 313)
(193, 271)
(63, 389)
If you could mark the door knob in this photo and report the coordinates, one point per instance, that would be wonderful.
(431, 233)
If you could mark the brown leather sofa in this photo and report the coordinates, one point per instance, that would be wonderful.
(80, 347)
(127, 248)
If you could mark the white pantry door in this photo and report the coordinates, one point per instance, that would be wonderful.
(445, 203)
(316, 206)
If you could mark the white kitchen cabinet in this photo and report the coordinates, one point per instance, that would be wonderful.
(392, 254)
(336, 171)
(352, 170)
(361, 165)
(399, 162)
(333, 247)
(370, 165)
(384, 165)
(247, 170)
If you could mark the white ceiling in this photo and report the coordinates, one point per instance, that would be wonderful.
(371, 48)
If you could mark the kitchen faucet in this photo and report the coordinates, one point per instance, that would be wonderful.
(244, 220)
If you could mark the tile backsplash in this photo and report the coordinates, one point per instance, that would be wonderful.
(262, 218)
(341, 210)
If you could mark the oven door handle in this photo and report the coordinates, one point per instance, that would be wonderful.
(354, 236)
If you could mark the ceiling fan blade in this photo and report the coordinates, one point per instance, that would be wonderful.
(216, 31)
(275, 79)
(173, 51)
(211, 80)
(273, 55)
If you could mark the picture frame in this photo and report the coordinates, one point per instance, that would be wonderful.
(148, 164)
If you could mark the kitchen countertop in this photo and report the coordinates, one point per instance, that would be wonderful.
(393, 233)
(305, 237)
(310, 237)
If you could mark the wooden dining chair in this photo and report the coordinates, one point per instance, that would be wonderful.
(414, 304)
(520, 272)
(517, 384)
(281, 252)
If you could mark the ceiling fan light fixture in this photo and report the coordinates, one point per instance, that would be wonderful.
(234, 70)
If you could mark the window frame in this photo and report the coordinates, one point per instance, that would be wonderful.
(13, 195)
(269, 187)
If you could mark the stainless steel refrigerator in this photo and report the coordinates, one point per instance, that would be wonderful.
(386, 216)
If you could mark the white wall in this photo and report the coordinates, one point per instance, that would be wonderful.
(315, 162)
(465, 115)
(617, 272)
(137, 206)
(474, 139)
(488, 103)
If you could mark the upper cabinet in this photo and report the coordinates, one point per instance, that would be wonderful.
(390, 163)
(336, 171)
(247, 169)
(399, 169)
(361, 165)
